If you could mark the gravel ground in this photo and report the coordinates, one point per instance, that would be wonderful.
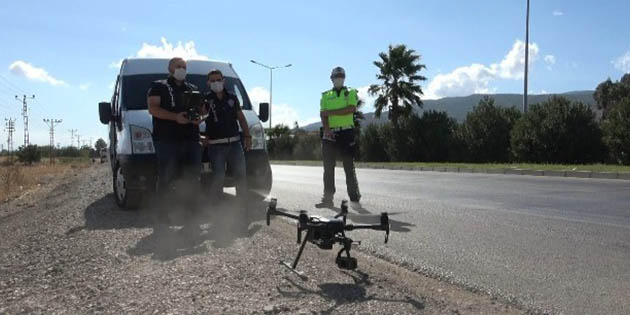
(65, 248)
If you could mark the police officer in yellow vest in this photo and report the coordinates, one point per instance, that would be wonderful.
(337, 108)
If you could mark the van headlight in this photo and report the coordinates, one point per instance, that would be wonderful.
(258, 136)
(141, 140)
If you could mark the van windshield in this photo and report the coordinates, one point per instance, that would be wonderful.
(135, 87)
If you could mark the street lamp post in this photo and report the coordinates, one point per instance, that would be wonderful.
(526, 58)
(270, 82)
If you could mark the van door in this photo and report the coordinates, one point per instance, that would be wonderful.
(113, 128)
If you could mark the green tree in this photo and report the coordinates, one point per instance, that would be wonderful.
(608, 93)
(558, 131)
(399, 91)
(100, 144)
(617, 132)
(281, 142)
(485, 133)
(427, 138)
(29, 154)
(371, 146)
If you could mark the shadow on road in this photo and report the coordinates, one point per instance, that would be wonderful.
(344, 293)
(219, 225)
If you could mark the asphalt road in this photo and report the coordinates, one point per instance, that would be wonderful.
(553, 244)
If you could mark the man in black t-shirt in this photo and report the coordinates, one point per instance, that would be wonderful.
(223, 138)
(175, 136)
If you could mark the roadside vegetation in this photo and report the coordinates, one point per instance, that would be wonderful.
(31, 167)
(557, 134)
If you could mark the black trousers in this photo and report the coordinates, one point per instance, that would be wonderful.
(177, 159)
(342, 147)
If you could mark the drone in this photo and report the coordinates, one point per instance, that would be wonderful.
(325, 232)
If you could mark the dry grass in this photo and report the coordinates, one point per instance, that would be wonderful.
(17, 179)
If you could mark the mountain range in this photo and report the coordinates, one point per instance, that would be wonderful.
(458, 107)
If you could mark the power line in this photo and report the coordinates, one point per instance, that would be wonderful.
(12, 86)
(51, 123)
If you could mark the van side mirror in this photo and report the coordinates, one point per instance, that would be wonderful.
(105, 112)
(263, 112)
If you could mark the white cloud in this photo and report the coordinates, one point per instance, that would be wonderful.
(476, 78)
(25, 69)
(623, 62)
(112, 85)
(85, 86)
(367, 99)
(550, 60)
(116, 64)
(284, 114)
(557, 13)
(185, 50)
(280, 113)
(258, 95)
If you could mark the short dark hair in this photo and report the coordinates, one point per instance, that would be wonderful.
(174, 60)
(215, 71)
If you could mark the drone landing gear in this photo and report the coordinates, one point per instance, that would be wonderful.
(297, 258)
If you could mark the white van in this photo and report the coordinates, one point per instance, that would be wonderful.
(131, 150)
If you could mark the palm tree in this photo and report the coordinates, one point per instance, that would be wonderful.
(399, 70)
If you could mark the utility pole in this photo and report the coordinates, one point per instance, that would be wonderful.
(10, 127)
(25, 116)
(78, 141)
(91, 143)
(51, 124)
(526, 57)
(72, 133)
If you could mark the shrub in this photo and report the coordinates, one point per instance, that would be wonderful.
(307, 146)
(557, 131)
(29, 154)
(429, 138)
(371, 147)
(485, 134)
(617, 132)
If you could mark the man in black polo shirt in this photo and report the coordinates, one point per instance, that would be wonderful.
(222, 136)
(175, 136)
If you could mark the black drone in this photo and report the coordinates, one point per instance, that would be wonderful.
(325, 232)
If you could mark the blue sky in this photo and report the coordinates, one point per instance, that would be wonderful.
(63, 51)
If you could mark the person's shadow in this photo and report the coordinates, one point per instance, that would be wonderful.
(220, 224)
(345, 293)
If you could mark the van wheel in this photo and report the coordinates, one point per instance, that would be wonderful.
(126, 199)
(260, 186)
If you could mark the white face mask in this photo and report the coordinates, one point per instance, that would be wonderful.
(338, 82)
(216, 87)
(179, 74)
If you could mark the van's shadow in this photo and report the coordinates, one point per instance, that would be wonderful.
(220, 226)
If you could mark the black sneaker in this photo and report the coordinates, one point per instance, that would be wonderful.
(326, 202)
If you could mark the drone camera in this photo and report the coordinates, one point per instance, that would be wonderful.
(349, 263)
